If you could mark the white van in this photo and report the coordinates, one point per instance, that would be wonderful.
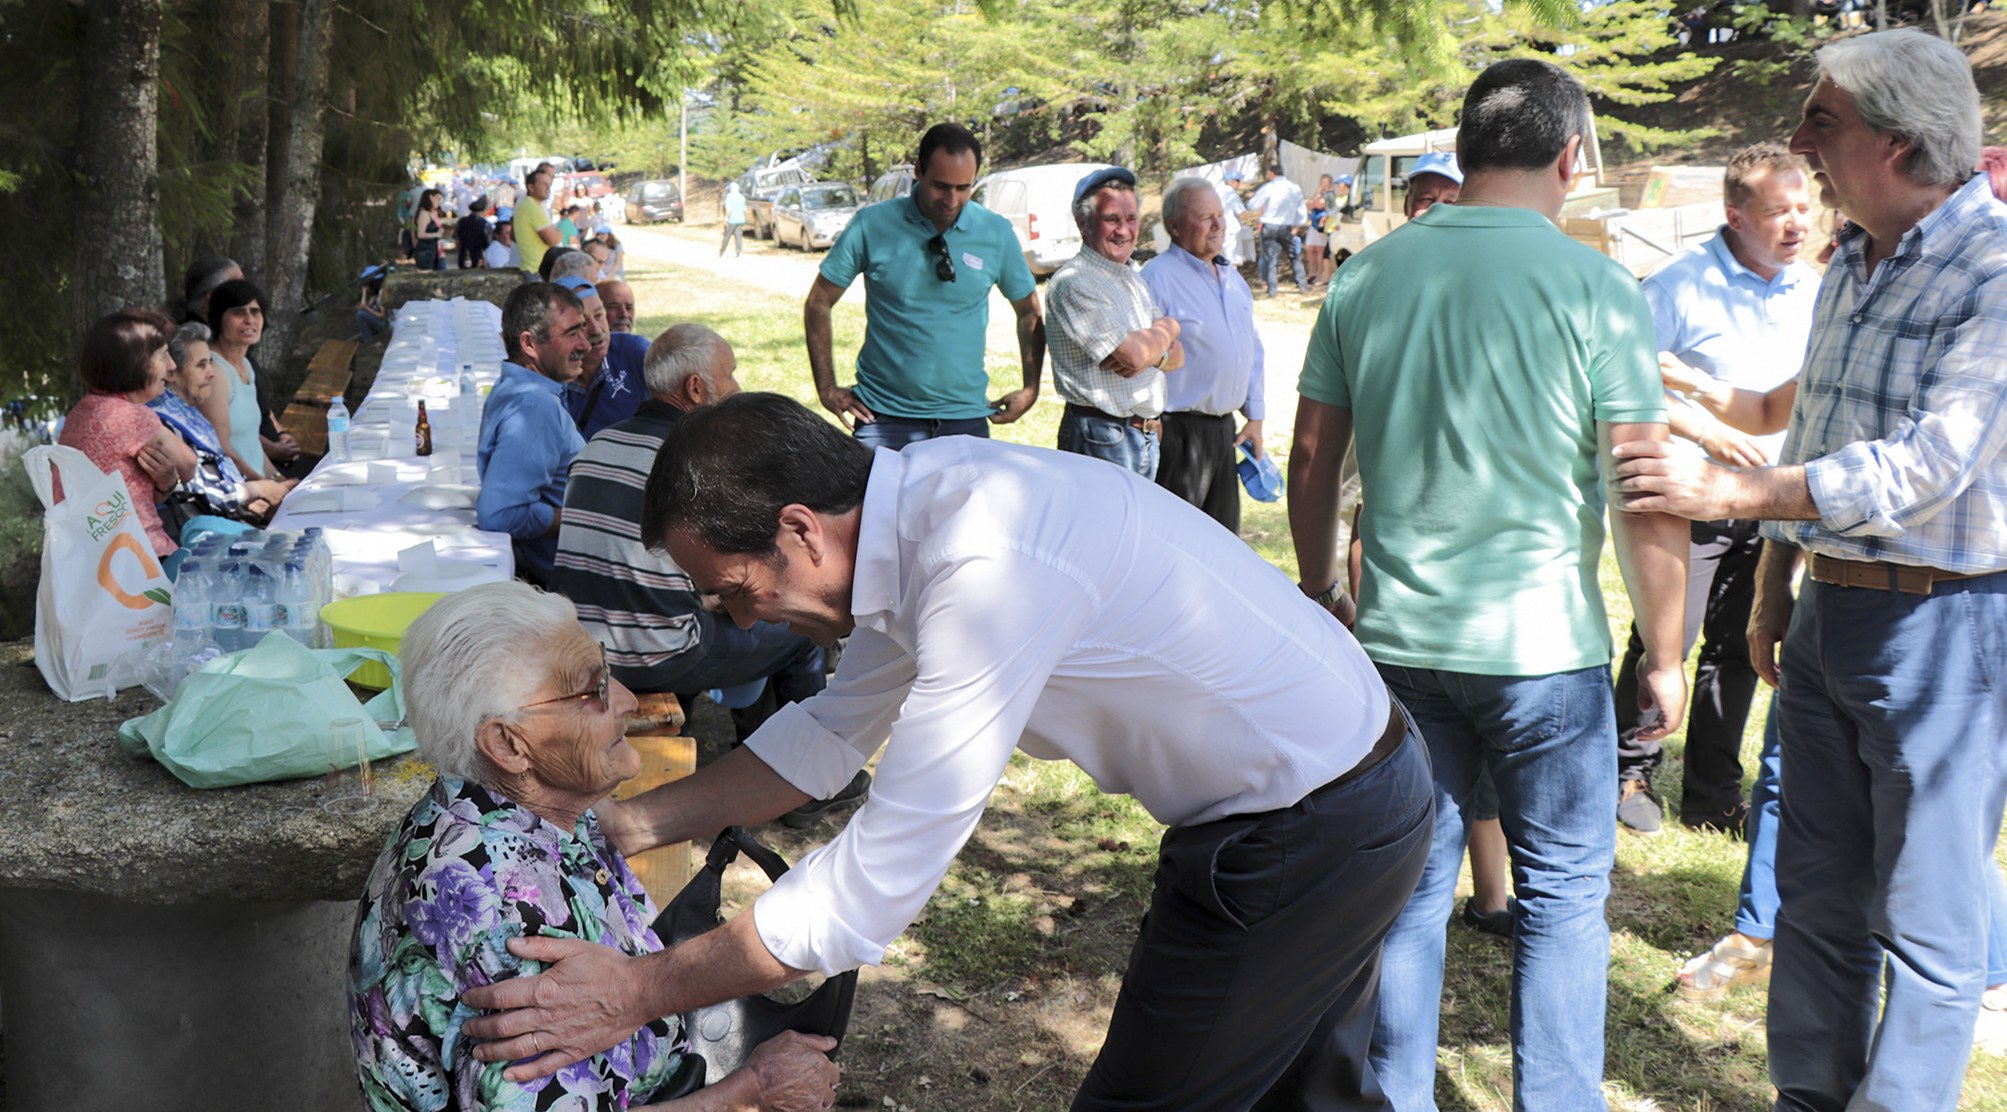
(1038, 202)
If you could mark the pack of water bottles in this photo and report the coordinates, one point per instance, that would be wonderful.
(234, 590)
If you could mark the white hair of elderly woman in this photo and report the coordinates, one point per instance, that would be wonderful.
(474, 655)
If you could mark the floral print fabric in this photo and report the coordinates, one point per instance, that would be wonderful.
(467, 871)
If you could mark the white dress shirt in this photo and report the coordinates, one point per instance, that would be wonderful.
(1280, 202)
(1012, 598)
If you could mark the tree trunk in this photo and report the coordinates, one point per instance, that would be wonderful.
(293, 217)
(118, 263)
(283, 33)
(251, 103)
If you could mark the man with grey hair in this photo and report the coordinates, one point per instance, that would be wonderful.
(1892, 488)
(1110, 342)
(1197, 286)
(1487, 363)
(637, 602)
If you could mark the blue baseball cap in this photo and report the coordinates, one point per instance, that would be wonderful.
(580, 287)
(1260, 475)
(505, 213)
(1437, 162)
(1233, 175)
(1102, 177)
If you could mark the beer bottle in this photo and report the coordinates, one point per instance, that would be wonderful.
(424, 433)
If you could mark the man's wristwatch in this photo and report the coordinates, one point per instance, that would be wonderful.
(1330, 596)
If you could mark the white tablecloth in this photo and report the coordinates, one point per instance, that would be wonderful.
(428, 498)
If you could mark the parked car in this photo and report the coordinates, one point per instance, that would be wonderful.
(896, 182)
(594, 182)
(760, 188)
(652, 201)
(812, 216)
(1038, 202)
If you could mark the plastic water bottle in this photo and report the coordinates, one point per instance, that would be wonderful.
(191, 614)
(227, 607)
(468, 387)
(298, 612)
(338, 430)
(261, 602)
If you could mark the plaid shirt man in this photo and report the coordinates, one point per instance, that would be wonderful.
(1090, 305)
(1902, 406)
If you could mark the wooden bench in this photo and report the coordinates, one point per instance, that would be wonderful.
(655, 731)
(327, 378)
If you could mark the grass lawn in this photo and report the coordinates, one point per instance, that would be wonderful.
(999, 996)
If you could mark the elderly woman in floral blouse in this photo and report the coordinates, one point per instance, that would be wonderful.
(512, 702)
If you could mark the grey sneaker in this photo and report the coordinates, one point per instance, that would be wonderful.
(1638, 809)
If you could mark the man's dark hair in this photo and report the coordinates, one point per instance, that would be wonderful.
(952, 138)
(1518, 115)
(234, 294)
(726, 471)
(551, 258)
(530, 308)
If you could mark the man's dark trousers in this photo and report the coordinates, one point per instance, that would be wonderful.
(1255, 979)
(1724, 682)
(1196, 463)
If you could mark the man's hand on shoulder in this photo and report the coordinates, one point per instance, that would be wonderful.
(588, 1000)
(1013, 405)
(841, 401)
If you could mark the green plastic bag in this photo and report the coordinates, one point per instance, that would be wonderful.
(265, 714)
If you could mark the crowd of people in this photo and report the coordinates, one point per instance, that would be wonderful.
(178, 410)
(505, 226)
(1322, 753)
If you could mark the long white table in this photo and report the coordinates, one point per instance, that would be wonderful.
(386, 497)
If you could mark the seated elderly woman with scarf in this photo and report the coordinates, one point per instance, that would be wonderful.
(511, 700)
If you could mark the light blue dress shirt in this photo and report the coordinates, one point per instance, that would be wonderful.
(1215, 314)
(521, 488)
(1721, 317)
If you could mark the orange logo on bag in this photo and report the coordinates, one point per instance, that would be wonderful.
(147, 564)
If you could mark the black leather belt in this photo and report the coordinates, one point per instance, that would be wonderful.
(1147, 424)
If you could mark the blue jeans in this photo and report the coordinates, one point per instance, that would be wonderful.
(1115, 441)
(369, 324)
(897, 432)
(1550, 743)
(1891, 718)
(1756, 903)
(1276, 240)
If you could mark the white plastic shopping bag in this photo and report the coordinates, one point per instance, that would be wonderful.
(103, 600)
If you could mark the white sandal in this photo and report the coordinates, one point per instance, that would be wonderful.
(1729, 964)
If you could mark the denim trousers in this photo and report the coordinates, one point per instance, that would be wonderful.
(1252, 981)
(1276, 241)
(1721, 586)
(1115, 441)
(1550, 744)
(1891, 719)
(897, 432)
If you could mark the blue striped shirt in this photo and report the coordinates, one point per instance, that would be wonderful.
(1902, 406)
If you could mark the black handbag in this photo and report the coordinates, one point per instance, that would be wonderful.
(723, 1036)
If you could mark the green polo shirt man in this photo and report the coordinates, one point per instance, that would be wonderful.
(928, 262)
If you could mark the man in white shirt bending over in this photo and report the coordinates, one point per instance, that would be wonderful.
(997, 598)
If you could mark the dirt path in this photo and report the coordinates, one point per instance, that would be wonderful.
(1284, 324)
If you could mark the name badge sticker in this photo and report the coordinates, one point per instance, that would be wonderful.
(973, 262)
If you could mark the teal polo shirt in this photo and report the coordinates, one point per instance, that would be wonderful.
(924, 338)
